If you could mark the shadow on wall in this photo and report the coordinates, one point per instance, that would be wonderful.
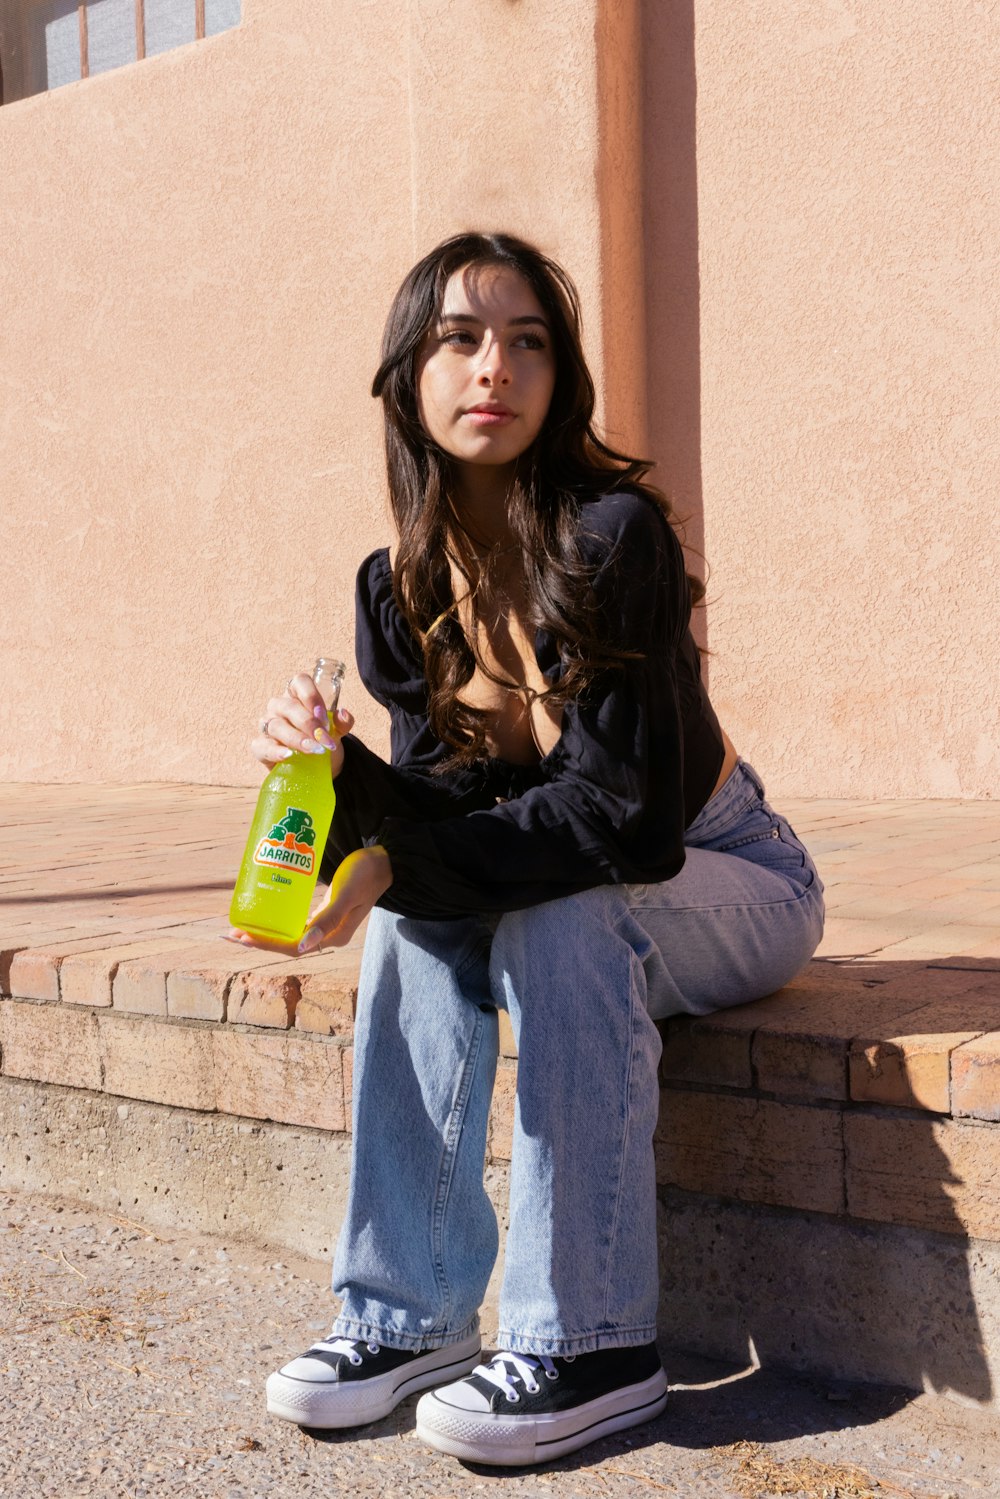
(670, 195)
(901, 1285)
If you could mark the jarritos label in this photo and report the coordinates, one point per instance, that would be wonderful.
(290, 844)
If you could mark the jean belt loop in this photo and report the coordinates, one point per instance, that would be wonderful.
(752, 777)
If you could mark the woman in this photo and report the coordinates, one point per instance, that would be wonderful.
(564, 832)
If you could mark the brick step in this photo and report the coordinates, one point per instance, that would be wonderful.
(778, 1102)
(182, 970)
(908, 1035)
(902, 1034)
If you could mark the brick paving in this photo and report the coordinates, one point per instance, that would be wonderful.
(117, 895)
(107, 869)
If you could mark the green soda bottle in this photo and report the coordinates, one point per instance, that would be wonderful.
(288, 835)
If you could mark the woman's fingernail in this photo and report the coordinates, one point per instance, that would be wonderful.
(312, 748)
(311, 939)
(320, 713)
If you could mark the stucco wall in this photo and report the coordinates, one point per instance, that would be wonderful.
(822, 231)
(199, 252)
(788, 263)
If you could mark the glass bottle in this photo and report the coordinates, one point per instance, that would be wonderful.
(288, 834)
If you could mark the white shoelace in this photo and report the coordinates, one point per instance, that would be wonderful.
(504, 1368)
(346, 1345)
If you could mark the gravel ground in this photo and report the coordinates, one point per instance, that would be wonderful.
(134, 1365)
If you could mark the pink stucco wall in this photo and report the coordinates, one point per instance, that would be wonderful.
(781, 221)
(198, 256)
(822, 294)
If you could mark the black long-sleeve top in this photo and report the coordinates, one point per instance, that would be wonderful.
(637, 758)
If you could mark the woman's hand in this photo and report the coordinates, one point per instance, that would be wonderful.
(356, 886)
(297, 721)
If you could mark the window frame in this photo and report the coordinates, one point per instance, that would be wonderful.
(18, 14)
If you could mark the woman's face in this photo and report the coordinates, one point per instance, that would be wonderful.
(486, 369)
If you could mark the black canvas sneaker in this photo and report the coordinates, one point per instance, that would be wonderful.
(522, 1408)
(349, 1382)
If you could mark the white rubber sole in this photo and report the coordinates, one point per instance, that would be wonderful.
(519, 1441)
(329, 1405)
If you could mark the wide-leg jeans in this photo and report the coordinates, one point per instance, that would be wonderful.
(582, 978)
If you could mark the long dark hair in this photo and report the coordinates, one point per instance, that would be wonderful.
(567, 464)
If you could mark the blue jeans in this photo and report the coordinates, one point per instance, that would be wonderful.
(582, 979)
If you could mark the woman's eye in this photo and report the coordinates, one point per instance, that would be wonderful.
(531, 341)
(457, 336)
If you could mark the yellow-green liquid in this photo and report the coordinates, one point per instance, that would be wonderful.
(275, 887)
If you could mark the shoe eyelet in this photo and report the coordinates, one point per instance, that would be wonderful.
(552, 1374)
(533, 1389)
(514, 1399)
(373, 1348)
(356, 1359)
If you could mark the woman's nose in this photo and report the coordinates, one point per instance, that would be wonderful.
(493, 368)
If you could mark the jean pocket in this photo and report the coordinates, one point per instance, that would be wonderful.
(773, 847)
(738, 843)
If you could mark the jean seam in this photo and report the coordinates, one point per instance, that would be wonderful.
(478, 951)
(747, 905)
(388, 1337)
(604, 1337)
(452, 1139)
(773, 835)
(623, 1148)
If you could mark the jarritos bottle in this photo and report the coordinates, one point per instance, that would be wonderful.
(288, 834)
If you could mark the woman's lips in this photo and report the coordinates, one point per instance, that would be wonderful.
(489, 416)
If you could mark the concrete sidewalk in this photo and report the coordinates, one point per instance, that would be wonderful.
(913, 880)
(134, 1364)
